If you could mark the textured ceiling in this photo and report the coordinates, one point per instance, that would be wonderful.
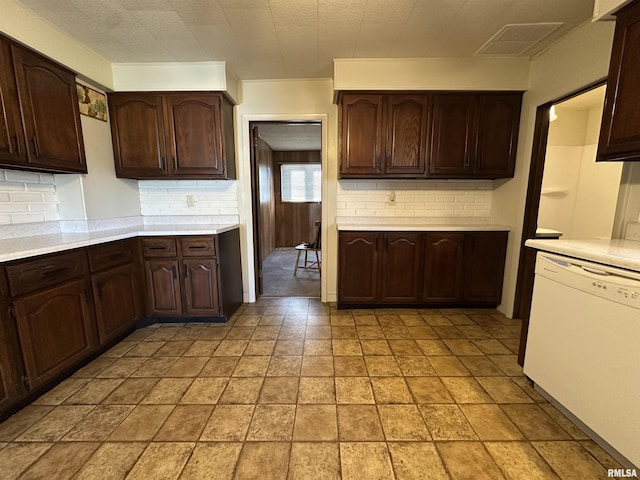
(297, 38)
(291, 136)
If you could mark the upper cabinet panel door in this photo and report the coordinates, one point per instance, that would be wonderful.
(453, 136)
(499, 118)
(407, 118)
(361, 135)
(620, 131)
(137, 128)
(195, 140)
(12, 148)
(49, 104)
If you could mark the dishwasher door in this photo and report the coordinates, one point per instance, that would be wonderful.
(583, 346)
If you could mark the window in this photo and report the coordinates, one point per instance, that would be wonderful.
(300, 182)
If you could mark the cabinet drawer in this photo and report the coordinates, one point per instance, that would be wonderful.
(51, 270)
(111, 254)
(198, 246)
(159, 247)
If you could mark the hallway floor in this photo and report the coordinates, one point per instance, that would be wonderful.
(293, 389)
(278, 279)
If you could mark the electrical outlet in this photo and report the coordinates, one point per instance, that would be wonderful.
(391, 198)
(191, 202)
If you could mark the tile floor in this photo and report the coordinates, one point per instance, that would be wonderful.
(294, 389)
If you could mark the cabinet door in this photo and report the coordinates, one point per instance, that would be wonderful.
(400, 279)
(484, 272)
(11, 369)
(201, 295)
(137, 130)
(117, 301)
(361, 135)
(406, 129)
(194, 135)
(50, 113)
(620, 131)
(443, 275)
(12, 147)
(358, 267)
(498, 121)
(55, 330)
(453, 136)
(163, 287)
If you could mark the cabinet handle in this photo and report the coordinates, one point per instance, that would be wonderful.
(36, 147)
(197, 247)
(18, 149)
(55, 273)
(175, 162)
(173, 272)
(160, 248)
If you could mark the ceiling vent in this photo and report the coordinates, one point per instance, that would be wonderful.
(516, 38)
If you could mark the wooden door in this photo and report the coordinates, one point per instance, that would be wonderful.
(137, 130)
(361, 135)
(12, 388)
(116, 300)
(55, 330)
(12, 146)
(406, 126)
(400, 278)
(453, 136)
(358, 267)
(498, 122)
(484, 267)
(194, 135)
(50, 113)
(201, 294)
(620, 130)
(163, 287)
(442, 272)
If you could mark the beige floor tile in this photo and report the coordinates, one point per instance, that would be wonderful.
(317, 366)
(284, 366)
(433, 347)
(144, 349)
(503, 390)
(354, 390)
(382, 366)
(163, 333)
(247, 320)
(17, 457)
(187, 367)
(606, 460)
(564, 422)
(370, 332)
(415, 366)
(99, 423)
(228, 423)
(123, 367)
(490, 423)
(447, 422)
(315, 423)
(342, 320)
(465, 390)
(319, 461)
(412, 320)
(365, 319)
(534, 423)
(288, 347)
(428, 390)
(460, 319)
(266, 333)
(390, 390)
(273, 316)
(56, 423)
(61, 392)
(349, 366)
(112, 461)
(570, 460)
(417, 461)
(359, 423)
(19, 422)
(448, 331)
(404, 347)
(264, 461)
(279, 390)
(240, 333)
(396, 332)
(61, 461)
(242, 390)
(344, 333)
(291, 332)
(155, 367)
(422, 332)
(231, 348)
(174, 348)
(317, 390)
(94, 368)
(252, 366)
(368, 460)
(117, 351)
(491, 346)
(191, 331)
(508, 364)
(94, 392)
(208, 458)
(346, 347)
(402, 422)
(272, 423)
(436, 319)
(317, 347)
(448, 366)
(185, 424)
(375, 347)
(260, 347)
(168, 391)
(462, 346)
(161, 461)
(318, 332)
(527, 387)
(468, 461)
(219, 367)
(519, 460)
(202, 348)
(215, 333)
(388, 318)
(142, 423)
(480, 366)
(131, 391)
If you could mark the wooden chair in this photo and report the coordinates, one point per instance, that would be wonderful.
(309, 263)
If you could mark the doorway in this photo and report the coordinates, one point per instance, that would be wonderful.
(286, 196)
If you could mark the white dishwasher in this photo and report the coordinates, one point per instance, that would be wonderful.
(583, 346)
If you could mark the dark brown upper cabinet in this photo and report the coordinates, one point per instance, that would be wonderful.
(40, 129)
(620, 130)
(406, 124)
(172, 135)
(361, 135)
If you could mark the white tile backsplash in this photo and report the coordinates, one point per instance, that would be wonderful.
(27, 197)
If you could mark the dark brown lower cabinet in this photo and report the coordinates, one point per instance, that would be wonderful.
(442, 267)
(163, 287)
(12, 386)
(358, 269)
(201, 293)
(484, 267)
(400, 279)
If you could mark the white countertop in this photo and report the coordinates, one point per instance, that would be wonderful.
(616, 253)
(17, 248)
(380, 227)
